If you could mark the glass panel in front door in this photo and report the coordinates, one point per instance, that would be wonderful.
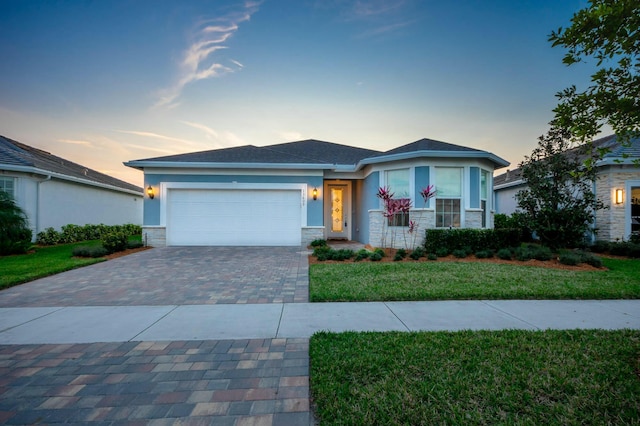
(337, 210)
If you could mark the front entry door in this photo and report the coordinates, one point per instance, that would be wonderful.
(337, 214)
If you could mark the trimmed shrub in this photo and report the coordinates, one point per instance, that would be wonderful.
(442, 252)
(400, 254)
(484, 254)
(322, 253)
(471, 240)
(134, 244)
(417, 253)
(591, 259)
(504, 254)
(600, 247)
(375, 256)
(319, 243)
(533, 251)
(343, 254)
(362, 254)
(625, 249)
(115, 241)
(432, 256)
(74, 233)
(380, 252)
(460, 254)
(570, 258)
(89, 251)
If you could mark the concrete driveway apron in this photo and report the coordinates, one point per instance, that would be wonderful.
(145, 381)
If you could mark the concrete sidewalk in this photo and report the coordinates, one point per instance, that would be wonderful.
(58, 325)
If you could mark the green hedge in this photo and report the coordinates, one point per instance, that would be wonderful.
(75, 233)
(470, 239)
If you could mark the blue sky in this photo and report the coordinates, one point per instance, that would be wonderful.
(103, 82)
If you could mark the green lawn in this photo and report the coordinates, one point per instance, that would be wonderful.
(370, 281)
(45, 261)
(503, 377)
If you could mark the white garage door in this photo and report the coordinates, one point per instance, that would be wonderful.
(221, 217)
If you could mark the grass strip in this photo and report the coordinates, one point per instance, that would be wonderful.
(369, 281)
(498, 377)
(44, 261)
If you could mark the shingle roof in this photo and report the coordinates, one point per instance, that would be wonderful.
(617, 151)
(13, 153)
(428, 145)
(301, 152)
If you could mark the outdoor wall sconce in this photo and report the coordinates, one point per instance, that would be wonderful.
(315, 193)
(150, 192)
(618, 196)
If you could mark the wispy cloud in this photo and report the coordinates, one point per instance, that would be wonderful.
(158, 136)
(208, 131)
(199, 60)
(75, 142)
(378, 16)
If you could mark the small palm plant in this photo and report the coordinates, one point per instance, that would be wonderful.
(15, 235)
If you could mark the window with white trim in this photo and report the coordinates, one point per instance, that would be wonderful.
(484, 195)
(398, 182)
(448, 196)
(8, 185)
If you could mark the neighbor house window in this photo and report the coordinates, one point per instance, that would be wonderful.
(484, 194)
(7, 184)
(398, 182)
(448, 196)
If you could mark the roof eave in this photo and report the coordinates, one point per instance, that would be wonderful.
(509, 184)
(616, 161)
(141, 165)
(45, 173)
(498, 162)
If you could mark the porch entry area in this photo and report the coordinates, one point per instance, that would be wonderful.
(337, 210)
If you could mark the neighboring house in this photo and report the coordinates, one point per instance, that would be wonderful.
(293, 193)
(617, 185)
(55, 192)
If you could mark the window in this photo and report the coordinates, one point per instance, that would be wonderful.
(398, 182)
(7, 184)
(448, 196)
(484, 193)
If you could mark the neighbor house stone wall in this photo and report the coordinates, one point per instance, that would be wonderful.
(611, 222)
(154, 236)
(311, 233)
(381, 235)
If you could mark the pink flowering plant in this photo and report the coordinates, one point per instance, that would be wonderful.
(396, 211)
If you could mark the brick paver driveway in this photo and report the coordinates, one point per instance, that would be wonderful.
(175, 276)
(223, 382)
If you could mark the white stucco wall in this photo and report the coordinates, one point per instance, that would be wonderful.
(505, 199)
(54, 203)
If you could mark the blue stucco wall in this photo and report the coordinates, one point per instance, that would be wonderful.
(367, 200)
(474, 196)
(151, 214)
(422, 181)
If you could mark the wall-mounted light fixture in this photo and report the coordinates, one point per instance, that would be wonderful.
(619, 195)
(150, 192)
(315, 193)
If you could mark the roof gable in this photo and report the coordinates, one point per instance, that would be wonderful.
(13, 153)
(429, 145)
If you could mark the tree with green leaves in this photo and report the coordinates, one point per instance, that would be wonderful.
(15, 235)
(607, 31)
(559, 203)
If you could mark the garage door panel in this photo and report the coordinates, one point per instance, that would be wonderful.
(233, 217)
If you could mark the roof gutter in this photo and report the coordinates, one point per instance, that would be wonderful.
(49, 175)
(141, 165)
(435, 154)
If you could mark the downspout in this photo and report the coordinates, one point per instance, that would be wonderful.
(38, 214)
